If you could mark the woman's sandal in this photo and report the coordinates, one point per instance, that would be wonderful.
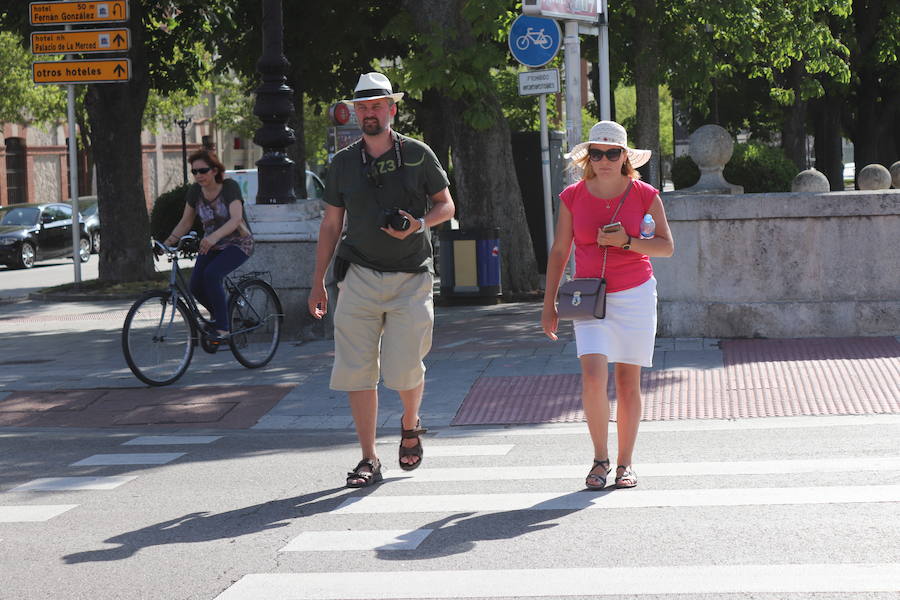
(408, 434)
(628, 478)
(357, 478)
(600, 479)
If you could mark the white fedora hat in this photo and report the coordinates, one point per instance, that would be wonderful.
(610, 133)
(372, 86)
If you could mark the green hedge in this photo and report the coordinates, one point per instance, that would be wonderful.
(756, 167)
(167, 211)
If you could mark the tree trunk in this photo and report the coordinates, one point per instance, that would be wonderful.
(877, 93)
(115, 111)
(646, 81)
(826, 116)
(793, 125)
(487, 191)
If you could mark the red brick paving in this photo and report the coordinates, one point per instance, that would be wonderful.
(761, 378)
(218, 407)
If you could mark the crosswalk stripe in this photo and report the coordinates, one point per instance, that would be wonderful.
(679, 469)
(33, 513)
(586, 582)
(675, 425)
(463, 450)
(66, 484)
(145, 458)
(171, 440)
(387, 539)
(618, 499)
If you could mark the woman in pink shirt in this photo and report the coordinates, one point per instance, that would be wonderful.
(610, 191)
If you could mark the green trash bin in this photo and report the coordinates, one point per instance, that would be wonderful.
(470, 264)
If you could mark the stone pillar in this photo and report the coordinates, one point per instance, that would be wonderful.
(711, 148)
(286, 237)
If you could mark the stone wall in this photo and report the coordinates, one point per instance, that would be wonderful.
(781, 265)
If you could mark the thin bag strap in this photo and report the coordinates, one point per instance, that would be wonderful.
(621, 202)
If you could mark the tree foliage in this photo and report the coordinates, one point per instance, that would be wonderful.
(20, 100)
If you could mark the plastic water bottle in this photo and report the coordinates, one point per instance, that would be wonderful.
(648, 227)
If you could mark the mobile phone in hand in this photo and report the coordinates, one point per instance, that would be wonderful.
(612, 227)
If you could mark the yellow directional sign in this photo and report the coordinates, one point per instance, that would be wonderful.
(71, 13)
(82, 41)
(101, 70)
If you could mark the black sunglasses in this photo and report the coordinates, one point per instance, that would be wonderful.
(612, 154)
(201, 170)
(373, 176)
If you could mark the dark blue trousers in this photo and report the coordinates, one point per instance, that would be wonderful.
(210, 270)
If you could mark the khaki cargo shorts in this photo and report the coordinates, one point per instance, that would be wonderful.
(382, 327)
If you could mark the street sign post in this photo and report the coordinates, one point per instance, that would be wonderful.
(532, 83)
(70, 72)
(534, 41)
(76, 13)
(82, 41)
(101, 70)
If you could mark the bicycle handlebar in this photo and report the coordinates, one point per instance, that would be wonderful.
(172, 250)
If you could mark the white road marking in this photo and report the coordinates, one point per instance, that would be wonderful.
(476, 431)
(129, 459)
(459, 343)
(469, 450)
(66, 484)
(169, 440)
(30, 514)
(679, 469)
(586, 582)
(618, 499)
(388, 539)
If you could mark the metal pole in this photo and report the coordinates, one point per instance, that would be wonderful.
(545, 169)
(73, 177)
(603, 52)
(573, 84)
(183, 123)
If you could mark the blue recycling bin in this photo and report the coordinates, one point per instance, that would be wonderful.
(470, 264)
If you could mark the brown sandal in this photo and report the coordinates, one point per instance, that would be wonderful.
(597, 476)
(628, 478)
(408, 434)
(357, 478)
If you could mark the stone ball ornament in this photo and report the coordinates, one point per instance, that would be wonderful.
(711, 146)
(874, 177)
(895, 175)
(810, 181)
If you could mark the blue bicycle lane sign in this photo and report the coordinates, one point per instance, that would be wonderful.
(534, 41)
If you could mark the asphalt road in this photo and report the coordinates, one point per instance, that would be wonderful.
(767, 508)
(18, 283)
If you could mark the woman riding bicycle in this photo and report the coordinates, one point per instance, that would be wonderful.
(227, 241)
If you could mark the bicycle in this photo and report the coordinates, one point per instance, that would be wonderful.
(538, 38)
(163, 327)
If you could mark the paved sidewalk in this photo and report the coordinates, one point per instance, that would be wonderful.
(61, 366)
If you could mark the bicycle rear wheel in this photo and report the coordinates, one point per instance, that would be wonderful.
(157, 338)
(256, 318)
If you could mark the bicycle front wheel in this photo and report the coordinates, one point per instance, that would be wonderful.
(157, 338)
(256, 319)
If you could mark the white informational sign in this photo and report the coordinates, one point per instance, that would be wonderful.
(532, 83)
(564, 10)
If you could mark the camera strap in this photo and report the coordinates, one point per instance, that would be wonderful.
(398, 146)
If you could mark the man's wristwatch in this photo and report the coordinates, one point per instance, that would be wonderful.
(422, 225)
(627, 245)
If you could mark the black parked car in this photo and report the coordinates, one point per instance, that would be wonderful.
(32, 232)
(90, 214)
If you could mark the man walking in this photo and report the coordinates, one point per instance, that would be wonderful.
(391, 189)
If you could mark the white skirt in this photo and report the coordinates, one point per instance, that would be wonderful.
(628, 333)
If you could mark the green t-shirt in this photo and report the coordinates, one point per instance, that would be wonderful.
(364, 191)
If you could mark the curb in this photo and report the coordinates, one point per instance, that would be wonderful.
(75, 297)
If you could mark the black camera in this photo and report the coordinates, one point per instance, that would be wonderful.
(391, 217)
